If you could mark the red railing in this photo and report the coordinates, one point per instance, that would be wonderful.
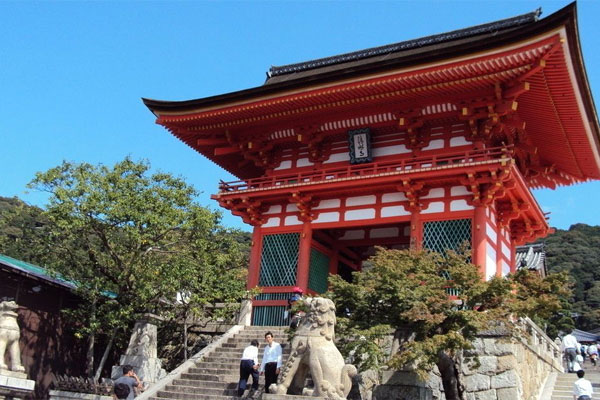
(376, 168)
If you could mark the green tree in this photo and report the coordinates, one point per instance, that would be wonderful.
(545, 300)
(132, 240)
(21, 229)
(407, 291)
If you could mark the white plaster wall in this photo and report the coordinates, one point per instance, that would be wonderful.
(490, 261)
(393, 211)
(271, 222)
(363, 213)
(327, 217)
(433, 207)
(360, 200)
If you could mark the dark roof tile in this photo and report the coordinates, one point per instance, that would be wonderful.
(407, 45)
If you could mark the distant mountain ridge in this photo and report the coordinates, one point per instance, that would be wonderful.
(577, 251)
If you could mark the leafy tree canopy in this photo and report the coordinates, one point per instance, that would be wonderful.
(133, 240)
(433, 318)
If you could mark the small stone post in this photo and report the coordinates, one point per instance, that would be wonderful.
(245, 317)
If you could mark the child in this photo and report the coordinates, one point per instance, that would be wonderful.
(577, 364)
(121, 391)
(582, 388)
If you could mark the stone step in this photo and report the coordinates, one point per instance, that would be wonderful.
(218, 366)
(563, 386)
(199, 383)
(222, 379)
(164, 394)
(198, 398)
(234, 350)
(227, 391)
(216, 376)
(199, 372)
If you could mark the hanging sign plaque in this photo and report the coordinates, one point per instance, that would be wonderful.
(359, 141)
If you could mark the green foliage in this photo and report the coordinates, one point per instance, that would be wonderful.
(133, 239)
(545, 300)
(407, 290)
(22, 228)
(577, 252)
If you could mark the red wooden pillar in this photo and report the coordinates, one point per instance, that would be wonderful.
(304, 256)
(499, 253)
(255, 253)
(416, 231)
(513, 258)
(479, 238)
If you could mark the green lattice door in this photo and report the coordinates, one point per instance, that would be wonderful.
(278, 267)
(319, 271)
(441, 236)
(279, 259)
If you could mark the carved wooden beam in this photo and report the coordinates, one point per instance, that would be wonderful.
(305, 204)
(413, 191)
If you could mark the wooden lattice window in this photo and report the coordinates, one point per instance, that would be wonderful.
(279, 259)
(319, 271)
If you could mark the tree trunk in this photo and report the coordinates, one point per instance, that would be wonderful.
(89, 358)
(449, 371)
(105, 355)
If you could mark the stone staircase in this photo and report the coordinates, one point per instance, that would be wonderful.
(215, 375)
(563, 385)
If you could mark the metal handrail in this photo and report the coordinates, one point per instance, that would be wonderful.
(359, 170)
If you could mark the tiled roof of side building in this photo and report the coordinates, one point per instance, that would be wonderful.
(531, 256)
(491, 27)
(33, 271)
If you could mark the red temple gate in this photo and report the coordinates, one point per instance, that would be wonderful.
(427, 143)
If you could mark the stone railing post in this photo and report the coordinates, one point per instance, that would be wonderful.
(245, 315)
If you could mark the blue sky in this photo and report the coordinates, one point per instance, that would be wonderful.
(72, 73)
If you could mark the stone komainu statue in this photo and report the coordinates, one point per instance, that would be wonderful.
(313, 351)
(9, 336)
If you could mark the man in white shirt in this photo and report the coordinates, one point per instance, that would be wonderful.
(570, 345)
(249, 366)
(582, 388)
(271, 361)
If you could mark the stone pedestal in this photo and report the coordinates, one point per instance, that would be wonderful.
(15, 385)
(13, 379)
(141, 353)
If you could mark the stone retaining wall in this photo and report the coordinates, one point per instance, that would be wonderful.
(511, 367)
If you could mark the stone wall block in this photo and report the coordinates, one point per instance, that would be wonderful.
(504, 363)
(496, 347)
(507, 394)
(486, 395)
(487, 365)
(505, 380)
(478, 348)
(477, 382)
